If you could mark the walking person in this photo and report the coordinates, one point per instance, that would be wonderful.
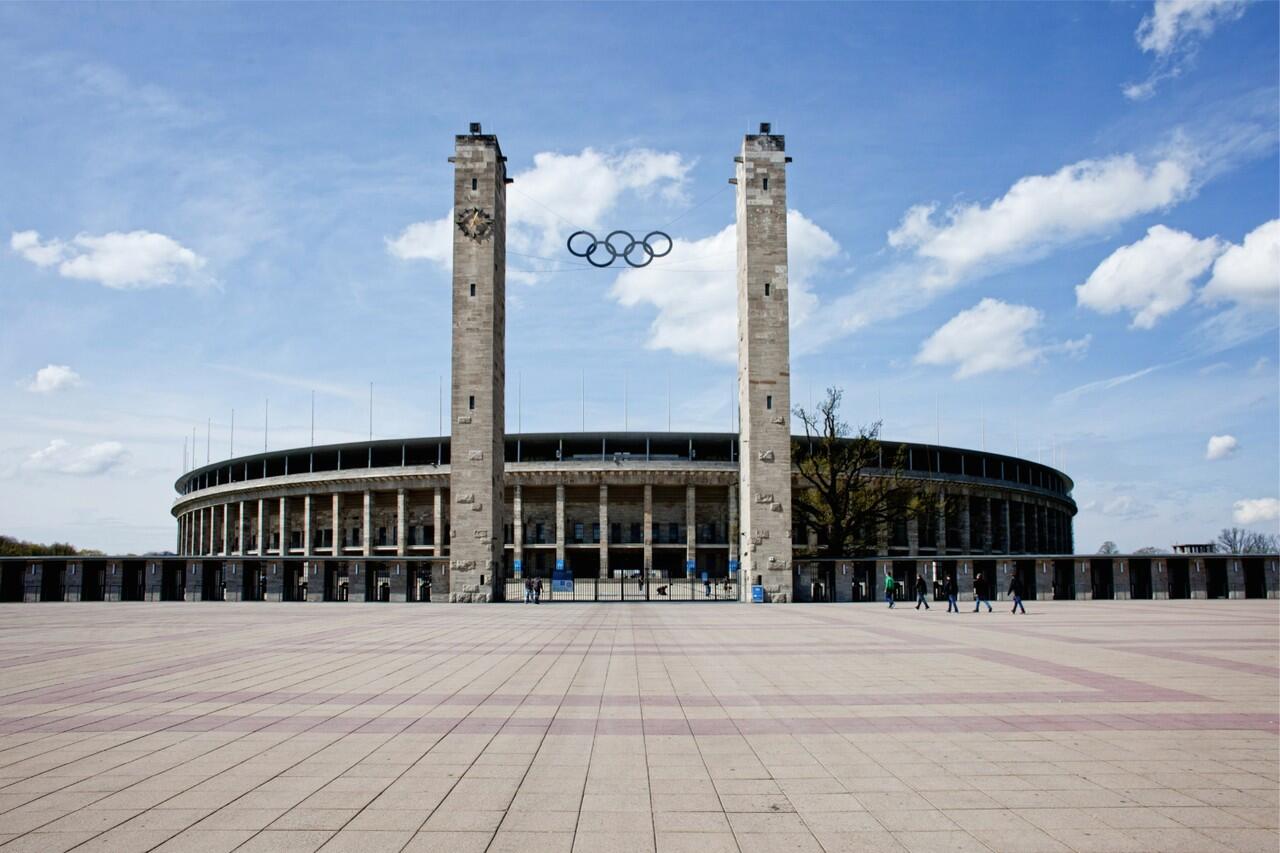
(950, 588)
(921, 589)
(1015, 590)
(980, 593)
(537, 591)
(528, 590)
(888, 587)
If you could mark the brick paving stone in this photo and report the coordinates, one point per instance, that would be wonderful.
(1087, 726)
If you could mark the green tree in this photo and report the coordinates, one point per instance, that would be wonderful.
(853, 485)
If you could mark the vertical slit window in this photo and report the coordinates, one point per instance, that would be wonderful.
(764, 184)
(474, 185)
(768, 401)
(473, 288)
(471, 402)
(766, 288)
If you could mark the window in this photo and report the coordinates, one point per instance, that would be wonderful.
(471, 401)
(768, 401)
(382, 536)
(764, 184)
(537, 533)
(579, 531)
(636, 536)
(473, 289)
(474, 185)
(615, 532)
(595, 531)
(673, 531)
(766, 288)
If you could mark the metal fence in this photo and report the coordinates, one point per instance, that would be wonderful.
(628, 589)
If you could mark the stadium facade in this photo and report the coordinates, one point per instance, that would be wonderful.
(629, 516)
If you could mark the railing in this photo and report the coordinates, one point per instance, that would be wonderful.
(628, 589)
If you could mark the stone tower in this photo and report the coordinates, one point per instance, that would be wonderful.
(479, 353)
(764, 367)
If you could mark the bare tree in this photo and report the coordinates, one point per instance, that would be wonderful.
(1237, 540)
(1108, 548)
(1149, 550)
(854, 485)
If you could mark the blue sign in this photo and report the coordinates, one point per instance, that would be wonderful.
(689, 567)
(757, 595)
(561, 580)
(733, 568)
(518, 565)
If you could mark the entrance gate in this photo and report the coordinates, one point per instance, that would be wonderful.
(629, 590)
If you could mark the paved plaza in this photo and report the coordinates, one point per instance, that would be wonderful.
(1087, 726)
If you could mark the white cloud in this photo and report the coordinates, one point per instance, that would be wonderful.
(59, 457)
(1220, 447)
(1037, 213)
(429, 241)
(1252, 511)
(990, 336)
(1173, 23)
(1172, 32)
(1249, 274)
(55, 377)
(585, 186)
(122, 261)
(1150, 278)
(695, 292)
(1105, 384)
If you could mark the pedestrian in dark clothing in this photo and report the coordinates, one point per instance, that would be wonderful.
(950, 589)
(921, 589)
(980, 593)
(537, 591)
(1015, 590)
(528, 590)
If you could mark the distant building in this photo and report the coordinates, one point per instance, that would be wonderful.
(1205, 548)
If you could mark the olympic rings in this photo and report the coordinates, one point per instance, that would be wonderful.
(619, 244)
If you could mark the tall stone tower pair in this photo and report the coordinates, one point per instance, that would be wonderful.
(479, 341)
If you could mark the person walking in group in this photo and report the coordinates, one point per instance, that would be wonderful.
(1015, 591)
(921, 589)
(537, 591)
(950, 588)
(528, 590)
(980, 593)
(888, 587)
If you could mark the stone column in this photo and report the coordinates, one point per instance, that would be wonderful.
(560, 524)
(399, 579)
(764, 371)
(335, 524)
(690, 531)
(438, 521)
(1007, 544)
(1044, 580)
(72, 580)
(240, 528)
(734, 533)
(1159, 578)
(200, 545)
(283, 526)
(226, 529)
(517, 531)
(1198, 578)
(1120, 579)
(262, 527)
(479, 363)
(193, 588)
(274, 572)
(308, 547)
(966, 538)
(402, 530)
(1084, 580)
(604, 530)
(366, 525)
(964, 580)
(940, 539)
(152, 580)
(1235, 578)
(357, 582)
(647, 531)
(913, 536)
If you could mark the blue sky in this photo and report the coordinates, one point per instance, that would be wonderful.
(1052, 224)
